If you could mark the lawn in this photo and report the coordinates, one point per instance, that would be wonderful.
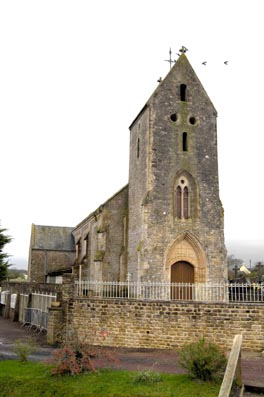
(34, 380)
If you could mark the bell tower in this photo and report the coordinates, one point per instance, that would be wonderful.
(176, 224)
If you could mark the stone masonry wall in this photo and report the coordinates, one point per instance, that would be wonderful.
(138, 188)
(103, 240)
(166, 325)
(28, 287)
(47, 261)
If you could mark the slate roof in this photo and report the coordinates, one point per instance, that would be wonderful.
(54, 238)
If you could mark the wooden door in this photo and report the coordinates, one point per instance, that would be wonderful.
(182, 272)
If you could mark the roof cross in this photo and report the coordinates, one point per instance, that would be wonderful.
(170, 60)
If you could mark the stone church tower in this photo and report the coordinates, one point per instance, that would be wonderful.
(175, 230)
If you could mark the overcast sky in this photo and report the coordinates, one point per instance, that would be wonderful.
(73, 76)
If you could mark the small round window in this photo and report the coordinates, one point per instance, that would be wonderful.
(173, 117)
(192, 120)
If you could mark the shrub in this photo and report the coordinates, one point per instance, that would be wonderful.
(77, 356)
(69, 361)
(23, 349)
(202, 360)
(147, 377)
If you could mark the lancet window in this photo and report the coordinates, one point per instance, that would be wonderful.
(182, 199)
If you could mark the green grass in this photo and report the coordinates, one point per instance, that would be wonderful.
(34, 380)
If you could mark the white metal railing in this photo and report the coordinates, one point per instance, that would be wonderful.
(42, 301)
(253, 292)
(23, 303)
(37, 314)
(205, 292)
(36, 317)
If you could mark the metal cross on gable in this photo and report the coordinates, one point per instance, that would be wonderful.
(170, 60)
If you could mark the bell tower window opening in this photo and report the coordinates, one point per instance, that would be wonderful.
(184, 142)
(183, 92)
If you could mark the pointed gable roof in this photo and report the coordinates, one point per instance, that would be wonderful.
(55, 238)
(183, 73)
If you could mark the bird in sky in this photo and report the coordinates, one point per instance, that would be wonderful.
(204, 63)
(226, 62)
(183, 49)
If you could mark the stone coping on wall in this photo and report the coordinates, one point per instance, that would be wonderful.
(28, 287)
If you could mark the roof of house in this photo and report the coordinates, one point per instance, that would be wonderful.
(54, 238)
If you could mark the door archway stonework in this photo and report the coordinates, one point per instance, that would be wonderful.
(187, 248)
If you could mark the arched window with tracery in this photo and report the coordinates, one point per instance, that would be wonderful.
(182, 199)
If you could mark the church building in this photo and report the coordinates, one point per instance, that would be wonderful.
(167, 224)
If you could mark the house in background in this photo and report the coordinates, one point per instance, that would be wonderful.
(167, 224)
(51, 253)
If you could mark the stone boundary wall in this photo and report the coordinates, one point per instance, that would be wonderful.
(29, 287)
(24, 288)
(165, 325)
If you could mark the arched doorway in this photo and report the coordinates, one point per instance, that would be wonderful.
(186, 248)
(182, 272)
